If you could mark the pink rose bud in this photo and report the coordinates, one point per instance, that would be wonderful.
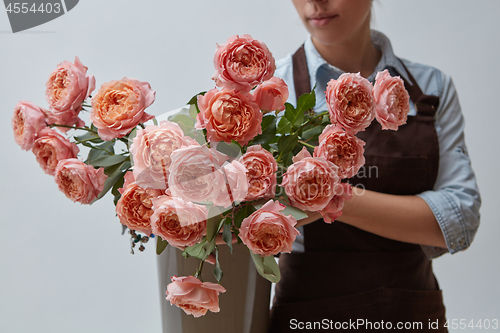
(67, 88)
(310, 182)
(27, 122)
(78, 181)
(342, 149)
(135, 206)
(392, 102)
(350, 102)
(119, 106)
(334, 208)
(193, 296)
(229, 115)
(261, 174)
(271, 95)
(268, 231)
(178, 222)
(151, 150)
(50, 148)
(242, 63)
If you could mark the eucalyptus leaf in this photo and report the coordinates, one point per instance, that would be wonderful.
(217, 271)
(160, 245)
(267, 267)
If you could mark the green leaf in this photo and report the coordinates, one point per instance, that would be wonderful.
(226, 233)
(267, 267)
(214, 223)
(155, 121)
(118, 185)
(232, 149)
(295, 212)
(287, 143)
(114, 172)
(160, 245)
(193, 111)
(312, 133)
(182, 119)
(194, 99)
(108, 160)
(243, 213)
(294, 116)
(284, 126)
(306, 102)
(217, 271)
(196, 251)
(89, 136)
(268, 130)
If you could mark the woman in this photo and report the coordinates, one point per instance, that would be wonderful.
(372, 266)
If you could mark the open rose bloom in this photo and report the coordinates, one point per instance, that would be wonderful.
(261, 174)
(66, 89)
(78, 181)
(151, 149)
(118, 107)
(27, 122)
(50, 148)
(350, 102)
(193, 296)
(392, 101)
(242, 63)
(268, 231)
(229, 115)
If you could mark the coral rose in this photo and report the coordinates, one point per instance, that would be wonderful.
(68, 86)
(268, 231)
(342, 149)
(392, 101)
(193, 296)
(310, 182)
(50, 148)
(78, 181)
(235, 175)
(134, 208)
(334, 208)
(119, 106)
(27, 122)
(261, 174)
(229, 115)
(350, 102)
(271, 95)
(178, 222)
(242, 63)
(151, 149)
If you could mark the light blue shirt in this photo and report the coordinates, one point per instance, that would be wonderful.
(455, 199)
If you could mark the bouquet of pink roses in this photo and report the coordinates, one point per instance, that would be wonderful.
(238, 163)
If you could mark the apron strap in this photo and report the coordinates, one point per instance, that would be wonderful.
(301, 79)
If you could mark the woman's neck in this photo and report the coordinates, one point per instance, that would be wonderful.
(358, 54)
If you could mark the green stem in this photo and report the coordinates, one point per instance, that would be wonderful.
(306, 144)
(74, 127)
(198, 271)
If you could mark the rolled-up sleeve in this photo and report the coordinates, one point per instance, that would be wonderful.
(455, 200)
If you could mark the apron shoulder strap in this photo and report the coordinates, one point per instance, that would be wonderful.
(301, 79)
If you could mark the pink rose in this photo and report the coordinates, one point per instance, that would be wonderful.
(261, 173)
(196, 174)
(179, 222)
(151, 149)
(333, 210)
(134, 208)
(242, 63)
(67, 88)
(310, 182)
(119, 106)
(193, 296)
(350, 102)
(392, 102)
(78, 181)
(229, 115)
(27, 122)
(268, 231)
(342, 149)
(50, 148)
(272, 94)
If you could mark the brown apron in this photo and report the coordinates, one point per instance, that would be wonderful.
(348, 276)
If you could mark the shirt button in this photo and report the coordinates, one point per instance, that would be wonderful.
(461, 241)
(453, 245)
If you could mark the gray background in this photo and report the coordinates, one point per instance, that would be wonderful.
(66, 268)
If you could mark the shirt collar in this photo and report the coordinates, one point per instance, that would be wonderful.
(381, 42)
